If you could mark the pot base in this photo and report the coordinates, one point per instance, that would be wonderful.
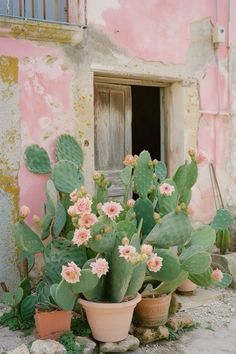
(109, 322)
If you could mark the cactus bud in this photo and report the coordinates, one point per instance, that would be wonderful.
(125, 241)
(107, 229)
(74, 219)
(98, 237)
(150, 164)
(183, 206)
(129, 160)
(191, 152)
(178, 209)
(154, 162)
(37, 220)
(96, 175)
(156, 217)
(130, 203)
(83, 190)
(24, 212)
(133, 216)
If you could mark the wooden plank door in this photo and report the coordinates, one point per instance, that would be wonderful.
(112, 132)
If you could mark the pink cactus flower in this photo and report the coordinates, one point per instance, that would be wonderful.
(24, 211)
(154, 264)
(129, 160)
(81, 236)
(100, 267)
(130, 203)
(112, 209)
(217, 275)
(146, 249)
(87, 220)
(74, 195)
(202, 157)
(128, 252)
(83, 206)
(71, 273)
(166, 189)
(71, 210)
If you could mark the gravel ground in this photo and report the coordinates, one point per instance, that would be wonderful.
(215, 333)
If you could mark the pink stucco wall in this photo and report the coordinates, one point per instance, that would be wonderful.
(45, 106)
(153, 31)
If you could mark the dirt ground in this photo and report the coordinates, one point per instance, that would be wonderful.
(214, 312)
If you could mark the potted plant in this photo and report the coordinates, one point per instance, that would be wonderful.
(51, 236)
(111, 235)
(163, 205)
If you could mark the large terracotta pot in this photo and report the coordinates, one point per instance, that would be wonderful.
(51, 325)
(109, 322)
(187, 287)
(153, 312)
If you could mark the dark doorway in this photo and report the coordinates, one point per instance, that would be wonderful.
(146, 120)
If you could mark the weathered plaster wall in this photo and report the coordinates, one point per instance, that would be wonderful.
(52, 90)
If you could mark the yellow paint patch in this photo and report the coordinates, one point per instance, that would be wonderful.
(9, 69)
(9, 185)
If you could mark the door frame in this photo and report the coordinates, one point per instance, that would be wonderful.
(172, 112)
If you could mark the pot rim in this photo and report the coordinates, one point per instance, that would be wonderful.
(109, 305)
(163, 296)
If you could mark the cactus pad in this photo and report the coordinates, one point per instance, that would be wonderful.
(60, 219)
(67, 148)
(37, 160)
(174, 230)
(126, 174)
(195, 260)
(223, 219)
(60, 252)
(102, 240)
(186, 176)
(51, 194)
(170, 286)
(168, 203)
(66, 176)
(161, 171)
(143, 174)
(170, 266)
(26, 239)
(144, 210)
(204, 236)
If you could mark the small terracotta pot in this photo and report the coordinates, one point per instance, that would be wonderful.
(51, 325)
(110, 322)
(187, 287)
(153, 312)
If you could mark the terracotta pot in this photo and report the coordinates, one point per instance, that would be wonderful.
(187, 287)
(51, 325)
(153, 312)
(109, 322)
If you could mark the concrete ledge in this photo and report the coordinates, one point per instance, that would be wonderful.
(40, 31)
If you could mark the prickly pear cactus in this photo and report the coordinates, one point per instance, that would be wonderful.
(143, 174)
(204, 236)
(222, 220)
(66, 176)
(195, 260)
(67, 148)
(168, 287)
(168, 203)
(26, 239)
(161, 171)
(174, 230)
(144, 211)
(59, 252)
(170, 266)
(185, 178)
(37, 160)
(103, 237)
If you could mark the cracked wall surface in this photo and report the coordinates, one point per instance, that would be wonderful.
(47, 89)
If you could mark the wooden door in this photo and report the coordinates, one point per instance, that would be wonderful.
(112, 132)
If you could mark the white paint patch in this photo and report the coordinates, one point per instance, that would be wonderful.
(95, 9)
